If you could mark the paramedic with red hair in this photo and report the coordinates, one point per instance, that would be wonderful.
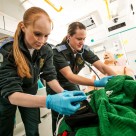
(22, 60)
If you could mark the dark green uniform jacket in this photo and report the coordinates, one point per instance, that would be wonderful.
(64, 56)
(40, 62)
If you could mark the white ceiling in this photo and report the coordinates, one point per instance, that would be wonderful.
(73, 10)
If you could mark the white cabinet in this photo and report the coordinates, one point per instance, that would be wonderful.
(8, 25)
(132, 60)
(129, 40)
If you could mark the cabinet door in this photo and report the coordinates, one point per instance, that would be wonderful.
(132, 60)
(129, 39)
(10, 24)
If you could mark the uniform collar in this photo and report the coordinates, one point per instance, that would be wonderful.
(69, 51)
(23, 46)
(22, 43)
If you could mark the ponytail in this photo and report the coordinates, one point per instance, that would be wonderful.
(64, 39)
(23, 69)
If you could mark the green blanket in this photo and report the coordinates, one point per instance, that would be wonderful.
(115, 107)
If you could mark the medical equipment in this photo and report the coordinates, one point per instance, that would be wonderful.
(88, 63)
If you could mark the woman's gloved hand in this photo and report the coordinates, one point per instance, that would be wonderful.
(66, 103)
(102, 82)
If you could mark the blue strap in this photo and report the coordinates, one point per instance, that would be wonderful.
(61, 48)
(5, 41)
(40, 84)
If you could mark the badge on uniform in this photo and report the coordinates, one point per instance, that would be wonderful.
(79, 63)
(41, 62)
(79, 59)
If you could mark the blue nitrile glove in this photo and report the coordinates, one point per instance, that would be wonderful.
(40, 84)
(66, 103)
(102, 82)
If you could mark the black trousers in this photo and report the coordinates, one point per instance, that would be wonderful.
(30, 118)
(55, 115)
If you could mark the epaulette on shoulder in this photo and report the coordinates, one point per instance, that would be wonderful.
(61, 48)
(50, 45)
(5, 41)
(86, 47)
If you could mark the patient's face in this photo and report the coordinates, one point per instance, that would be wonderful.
(108, 57)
